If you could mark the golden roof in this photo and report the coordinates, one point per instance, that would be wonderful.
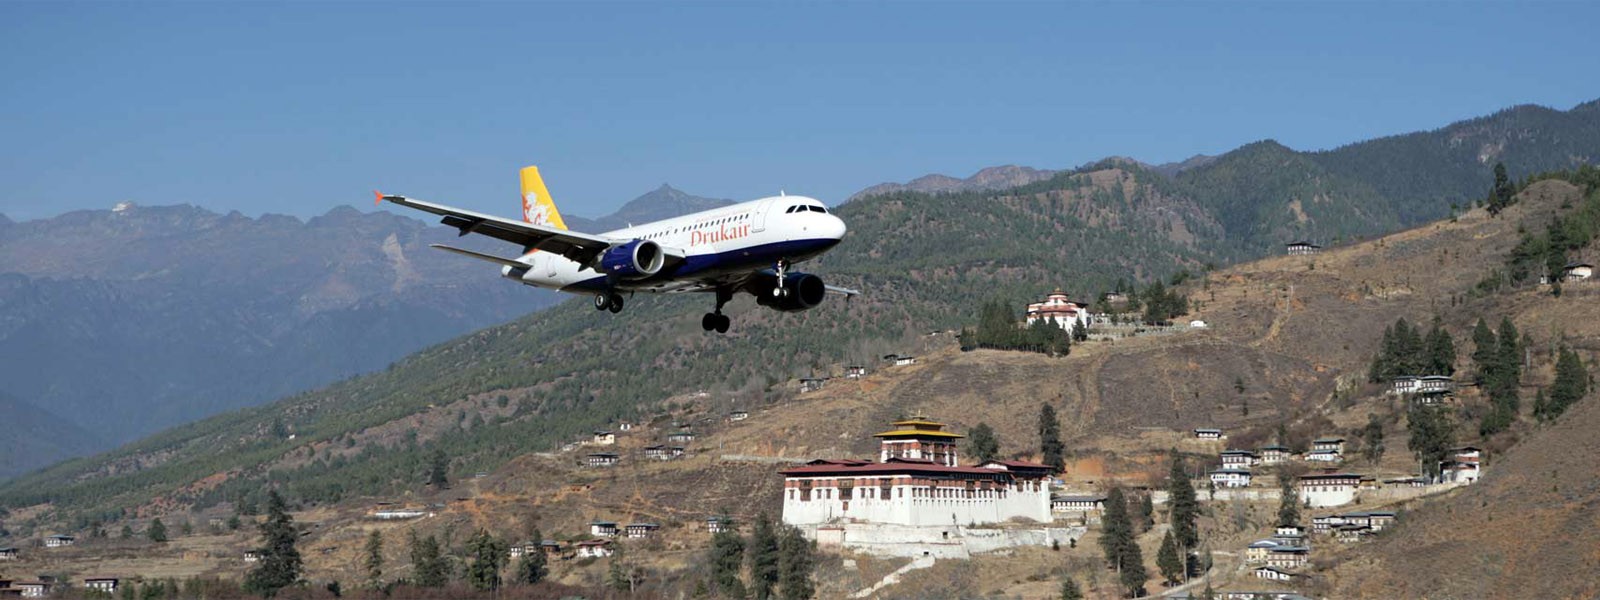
(918, 433)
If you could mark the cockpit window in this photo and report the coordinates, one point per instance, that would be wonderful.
(815, 208)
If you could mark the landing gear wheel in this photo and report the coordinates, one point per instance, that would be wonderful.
(615, 304)
(602, 301)
(722, 323)
(709, 322)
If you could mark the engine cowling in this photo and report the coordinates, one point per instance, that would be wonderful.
(634, 260)
(802, 291)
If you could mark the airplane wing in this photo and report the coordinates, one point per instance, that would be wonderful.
(579, 247)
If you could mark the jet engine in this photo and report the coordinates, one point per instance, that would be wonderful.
(801, 291)
(637, 259)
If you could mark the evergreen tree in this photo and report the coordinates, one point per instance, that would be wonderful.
(1485, 350)
(1432, 435)
(618, 575)
(438, 466)
(982, 443)
(127, 532)
(794, 565)
(373, 562)
(488, 557)
(157, 531)
(764, 555)
(429, 568)
(1183, 505)
(727, 556)
(1503, 194)
(1118, 544)
(280, 563)
(1503, 380)
(1167, 559)
(533, 566)
(1373, 435)
(1441, 350)
(1147, 511)
(1570, 386)
(1288, 502)
(1069, 590)
(1050, 438)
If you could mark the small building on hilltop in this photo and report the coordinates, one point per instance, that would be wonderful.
(657, 452)
(641, 530)
(1328, 444)
(918, 482)
(855, 372)
(603, 459)
(605, 438)
(103, 584)
(1078, 504)
(1288, 557)
(812, 384)
(1058, 310)
(1273, 574)
(59, 541)
(738, 415)
(1238, 459)
(1577, 271)
(719, 524)
(680, 437)
(603, 529)
(1208, 434)
(900, 360)
(1427, 384)
(1301, 248)
(33, 589)
(8, 554)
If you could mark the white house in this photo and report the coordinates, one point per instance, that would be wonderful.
(855, 372)
(738, 415)
(719, 524)
(593, 548)
(657, 452)
(1323, 456)
(641, 530)
(1302, 247)
(900, 360)
(1081, 504)
(103, 584)
(605, 438)
(1428, 384)
(1287, 557)
(59, 540)
(604, 529)
(680, 437)
(8, 554)
(1273, 573)
(1329, 489)
(1238, 459)
(812, 384)
(1208, 434)
(1459, 471)
(1057, 310)
(1230, 478)
(918, 482)
(1256, 552)
(251, 556)
(35, 589)
(1275, 455)
(603, 459)
(1577, 271)
(1329, 444)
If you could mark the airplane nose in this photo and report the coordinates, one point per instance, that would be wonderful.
(834, 228)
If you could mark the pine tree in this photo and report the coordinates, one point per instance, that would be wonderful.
(438, 466)
(126, 533)
(1503, 194)
(1432, 434)
(1485, 350)
(1288, 502)
(764, 558)
(157, 531)
(1117, 542)
(617, 575)
(1147, 511)
(1070, 591)
(1167, 559)
(429, 568)
(982, 443)
(533, 566)
(374, 559)
(1050, 438)
(488, 557)
(1183, 505)
(1373, 434)
(726, 558)
(1441, 349)
(794, 565)
(280, 562)
(1571, 384)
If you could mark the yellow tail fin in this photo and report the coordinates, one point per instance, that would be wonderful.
(537, 206)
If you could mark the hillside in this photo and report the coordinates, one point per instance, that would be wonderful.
(46, 437)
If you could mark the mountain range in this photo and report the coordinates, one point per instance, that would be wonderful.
(119, 323)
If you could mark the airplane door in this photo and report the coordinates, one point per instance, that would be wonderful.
(762, 210)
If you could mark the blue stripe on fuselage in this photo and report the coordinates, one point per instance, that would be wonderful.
(719, 263)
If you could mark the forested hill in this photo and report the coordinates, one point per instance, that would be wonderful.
(927, 260)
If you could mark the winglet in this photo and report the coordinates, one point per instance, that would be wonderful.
(377, 198)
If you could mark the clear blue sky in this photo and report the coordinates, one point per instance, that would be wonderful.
(299, 107)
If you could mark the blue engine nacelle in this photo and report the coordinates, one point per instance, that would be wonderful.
(802, 291)
(637, 259)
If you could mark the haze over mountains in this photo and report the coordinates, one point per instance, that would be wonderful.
(136, 320)
(119, 323)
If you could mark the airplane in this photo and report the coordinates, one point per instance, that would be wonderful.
(747, 247)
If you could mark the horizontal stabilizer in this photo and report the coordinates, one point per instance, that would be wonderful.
(484, 257)
(846, 292)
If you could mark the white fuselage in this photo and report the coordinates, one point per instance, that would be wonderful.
(743, 237)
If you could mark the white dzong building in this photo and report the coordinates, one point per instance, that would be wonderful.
(918, 481)
(1059, 311)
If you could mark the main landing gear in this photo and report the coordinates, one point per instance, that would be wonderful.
(715, 320)
(778, 291)
(611, 301)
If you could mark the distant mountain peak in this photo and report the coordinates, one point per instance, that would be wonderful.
(987, 178)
